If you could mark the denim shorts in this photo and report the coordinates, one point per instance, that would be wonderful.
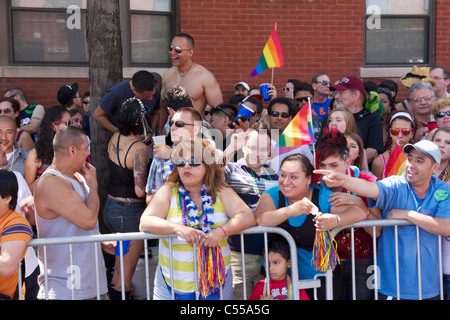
(121, 216)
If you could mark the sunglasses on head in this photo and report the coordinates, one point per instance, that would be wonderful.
(405, 132)
(193, 162)
(179, 124)
(177, 49)
(218, 108)
(282, 114)
(442, 114)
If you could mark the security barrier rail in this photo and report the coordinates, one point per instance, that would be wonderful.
(296, 284)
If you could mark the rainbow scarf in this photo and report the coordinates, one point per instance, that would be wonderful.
(298, 132)
(272, 55)
(396, 162)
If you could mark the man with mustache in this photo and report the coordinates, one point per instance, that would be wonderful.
(421, 98)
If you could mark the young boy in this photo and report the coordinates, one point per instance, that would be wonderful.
(280, 286)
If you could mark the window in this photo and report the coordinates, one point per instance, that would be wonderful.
(398, 32)
(53, 32)
(151, 31)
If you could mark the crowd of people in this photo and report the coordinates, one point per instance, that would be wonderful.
(216, 173)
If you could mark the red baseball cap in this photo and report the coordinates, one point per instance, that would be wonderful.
(349, 83)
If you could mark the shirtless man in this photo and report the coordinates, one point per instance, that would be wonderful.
(200, 83)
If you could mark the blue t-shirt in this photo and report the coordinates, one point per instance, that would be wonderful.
(321, 109)
(114, 98)
(395, 192)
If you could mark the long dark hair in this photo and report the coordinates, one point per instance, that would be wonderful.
(44, 145)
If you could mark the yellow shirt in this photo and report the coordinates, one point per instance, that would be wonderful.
(182, 252)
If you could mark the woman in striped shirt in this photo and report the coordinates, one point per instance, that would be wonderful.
(198, 207)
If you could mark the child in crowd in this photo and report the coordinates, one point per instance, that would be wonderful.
(280, 285)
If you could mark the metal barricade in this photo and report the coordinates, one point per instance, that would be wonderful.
(296, 284)
(120, 237)
(387, 223)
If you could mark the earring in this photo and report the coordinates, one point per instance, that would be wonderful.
(307, 187)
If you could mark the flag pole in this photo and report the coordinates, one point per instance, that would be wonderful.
(271, 81)
(312, 126)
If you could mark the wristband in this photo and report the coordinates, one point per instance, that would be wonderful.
(223, 230)
(338, 220)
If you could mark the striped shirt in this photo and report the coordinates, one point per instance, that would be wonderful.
(183, 253)
(13, 227)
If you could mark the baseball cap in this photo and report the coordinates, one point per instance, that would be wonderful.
(425, 148)
(244, 84)
(254, 96)
(349, 83)
(67, 93)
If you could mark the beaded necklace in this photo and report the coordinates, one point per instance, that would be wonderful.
(190, 213)
(256, 182)
(445, 174)
(211, 265)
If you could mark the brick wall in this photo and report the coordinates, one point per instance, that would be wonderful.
(42, 91)
(316, 36)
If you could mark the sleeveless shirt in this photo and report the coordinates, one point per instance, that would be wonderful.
(183, 253)
(62, 274)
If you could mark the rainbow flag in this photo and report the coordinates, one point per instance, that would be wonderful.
(396, 163)
(298, 132)
(272, 55)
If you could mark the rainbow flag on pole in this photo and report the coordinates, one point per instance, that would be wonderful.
(298, 132)
(396, 162)
(272, 55)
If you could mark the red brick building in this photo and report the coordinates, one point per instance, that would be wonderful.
(329, 36)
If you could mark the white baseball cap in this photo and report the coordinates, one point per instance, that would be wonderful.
(425, 148)
(244, 84)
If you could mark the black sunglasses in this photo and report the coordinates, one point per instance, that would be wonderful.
(177, 49)
(193, 162)
(282, 114)
(302, 99)
(179, 124)
(442, 114)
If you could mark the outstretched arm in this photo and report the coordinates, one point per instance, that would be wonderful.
(359, 186)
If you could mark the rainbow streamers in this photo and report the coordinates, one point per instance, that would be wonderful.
(325, 251)
(211, 270)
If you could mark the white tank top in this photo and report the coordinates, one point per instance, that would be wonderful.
(61, 274)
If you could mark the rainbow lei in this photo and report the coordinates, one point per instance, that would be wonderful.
(325, 251)
(211, 265)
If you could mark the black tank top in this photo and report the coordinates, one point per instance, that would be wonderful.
(305, 234)
(121, 179)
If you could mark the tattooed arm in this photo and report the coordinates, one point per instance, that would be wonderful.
(140, 170)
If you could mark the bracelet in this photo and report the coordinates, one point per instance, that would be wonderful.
(223, 230)
(338, 220)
